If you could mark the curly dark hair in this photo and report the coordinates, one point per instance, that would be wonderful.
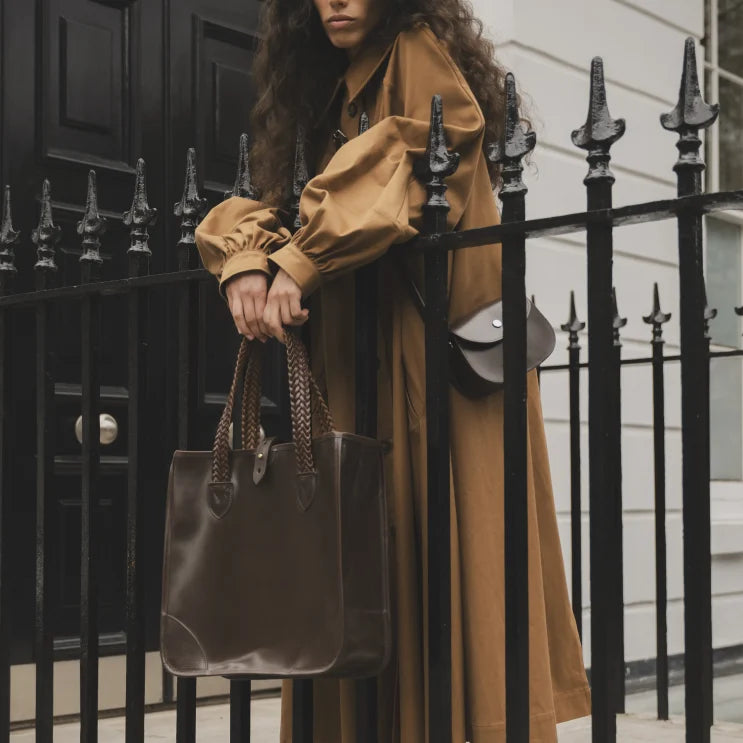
(296, 68)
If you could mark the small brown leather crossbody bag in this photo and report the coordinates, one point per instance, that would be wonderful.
(276, 555)
(476, 343)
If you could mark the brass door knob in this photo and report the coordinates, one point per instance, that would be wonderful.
(109, 429)
(231, 436)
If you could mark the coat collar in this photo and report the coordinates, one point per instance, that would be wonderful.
(364, 65)
(360, 71)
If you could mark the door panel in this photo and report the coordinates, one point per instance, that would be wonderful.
(96, 84)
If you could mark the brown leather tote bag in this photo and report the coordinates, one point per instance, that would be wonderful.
(276, 555)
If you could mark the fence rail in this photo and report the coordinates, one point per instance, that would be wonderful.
(596, 136)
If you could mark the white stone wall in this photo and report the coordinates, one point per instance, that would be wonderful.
(549, 47)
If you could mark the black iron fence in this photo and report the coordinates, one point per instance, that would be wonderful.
(605, 495)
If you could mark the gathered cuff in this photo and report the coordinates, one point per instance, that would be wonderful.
(299, 266)
(245, 260)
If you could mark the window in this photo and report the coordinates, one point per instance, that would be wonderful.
(724, 83)
(724, 232)
(724, 249)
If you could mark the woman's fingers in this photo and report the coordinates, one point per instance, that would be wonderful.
(246, 293)
(272, 318)
(251, 317)
(260, 308)
(299, 316)
(284, 306)
(238, 315)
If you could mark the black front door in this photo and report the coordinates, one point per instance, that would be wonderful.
(97, 84)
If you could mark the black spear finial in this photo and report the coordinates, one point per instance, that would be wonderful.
(243, 185)
(91, 227)
(190, 209)
(691, 114)
(657, 318)
(517, 142)
(573, 326)
(301, 175)
(600, 131)
(709, 312)
(434, 167)
(45, 237)
(363, 122)
(140, 217)
(9, 238)
(438, 163)
(617, 322)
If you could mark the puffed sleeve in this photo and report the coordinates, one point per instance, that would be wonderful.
(367, 198)
(237, 235)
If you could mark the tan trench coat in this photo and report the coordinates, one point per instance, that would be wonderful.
(364, 199)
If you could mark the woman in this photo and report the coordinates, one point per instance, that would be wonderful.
(323, 63)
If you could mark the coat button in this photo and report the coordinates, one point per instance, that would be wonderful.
(352, 109)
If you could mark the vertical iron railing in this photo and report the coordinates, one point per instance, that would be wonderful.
(45, 237)
(516, 144)
(365, 319)
(432, 169)
(597, 136)
(9, 239)
(690, 115)
(573, 327)
(189, 209)
(616, 518)
(657, 319)
(303, 703)
(138, 219)
(91, 227)
(241, 689)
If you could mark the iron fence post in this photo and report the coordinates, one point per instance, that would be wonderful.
(366, 364)
(302, 691)
(618, 564)
(138, 219)
(509, 152)
(241, 690)
(45, 237)
(91, 228)
(690, 115)
(657, 318)
(597, 136)
(573, 328)
(190, 209)
(432, 169)
(9, 239)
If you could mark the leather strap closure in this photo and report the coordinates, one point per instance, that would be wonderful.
(262, 452)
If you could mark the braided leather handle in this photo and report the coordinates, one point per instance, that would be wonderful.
(220, 452)
(250, 418)
(304, 394)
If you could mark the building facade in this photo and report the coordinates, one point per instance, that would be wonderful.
(549, 47)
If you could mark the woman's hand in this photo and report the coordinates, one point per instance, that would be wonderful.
(246, 296)
(283, 306)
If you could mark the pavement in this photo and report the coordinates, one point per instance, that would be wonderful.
(639, 726)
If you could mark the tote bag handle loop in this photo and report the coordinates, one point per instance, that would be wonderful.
(304, 393)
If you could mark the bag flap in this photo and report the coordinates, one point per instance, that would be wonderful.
(485, 326)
